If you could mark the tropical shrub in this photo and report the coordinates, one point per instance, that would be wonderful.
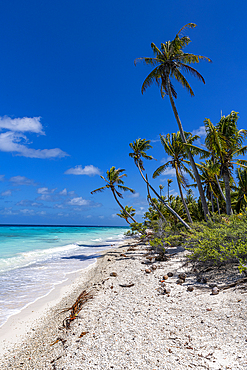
(221, 241)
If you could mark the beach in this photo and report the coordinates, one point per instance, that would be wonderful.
(130, 323)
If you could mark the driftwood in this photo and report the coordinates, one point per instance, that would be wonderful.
(76, 308)
(127, 285)
(240, 281)
(57, 340)
(224, 287)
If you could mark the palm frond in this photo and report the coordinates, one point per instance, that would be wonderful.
(192, 58)
(192, 71)
(156, 50)
(180, 78)
(153, 77)
(188, 25)
(160, 169)
(125, 188)
(99, 190)
(240, 151)
(148, 61)
(197, 150)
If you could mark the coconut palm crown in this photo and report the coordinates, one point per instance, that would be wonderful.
(130, 210)
(171, 61)
(139, 147)
(176, 149)
(114, 180)
(224, 142)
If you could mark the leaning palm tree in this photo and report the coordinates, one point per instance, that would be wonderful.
(170, 61)
(114, 180)
(124, 213)
(209, 170)
(224, 143)
(139, 148)
(174, 147)
(169, 181)
(241, 190)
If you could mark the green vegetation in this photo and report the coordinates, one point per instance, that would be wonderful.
(213, 238)
(218, 242)
(170, 61)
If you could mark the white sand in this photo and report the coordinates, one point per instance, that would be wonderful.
(136, 327)
(18, 325)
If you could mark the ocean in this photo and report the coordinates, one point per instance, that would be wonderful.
(34, 259)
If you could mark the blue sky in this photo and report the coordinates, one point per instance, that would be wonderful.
(71, 101)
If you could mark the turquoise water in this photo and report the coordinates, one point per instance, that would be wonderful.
(33, 259)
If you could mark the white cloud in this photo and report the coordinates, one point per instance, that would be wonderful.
(87, 170)
(164, 160)
(6, 193)
(46, 198)
(63, 192)
(41, 213)
(169, 172)
(27, 211)
(102, 217)
(79, 201)
(89, 216)
(199, 131)
(8, 212)
(2, 177)
(134, 195)
(58, 206)
(25, 124)
(21, 180)
(29, 203)
(45, 191)
(31, 212)
(16, 142)
(114, 215)
(140, 211)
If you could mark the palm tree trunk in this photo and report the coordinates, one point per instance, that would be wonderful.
(154, 205)
(221, 192)
(217, 201)
(192, 162)
(212, 200)
(120, 205)
(228, 193)
(165, 204)
(184, 203)
(220, 189)
(218, 183)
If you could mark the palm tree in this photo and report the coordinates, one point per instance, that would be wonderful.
(161, 188)
(124, 213)
(169, 181)
(209, 171)
(224, 142)
(150, 200)
(113, 180)
(175, 148)
(139, 148)
(241, 190)
(169, 62)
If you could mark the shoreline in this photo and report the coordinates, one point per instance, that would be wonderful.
(129, 324)
(20, 325)
(23, 284)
